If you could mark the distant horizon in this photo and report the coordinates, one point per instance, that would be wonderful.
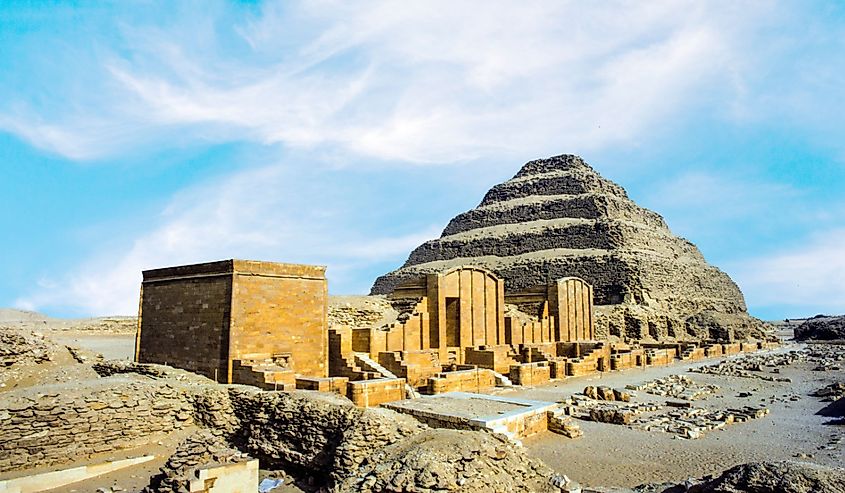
(137, 135)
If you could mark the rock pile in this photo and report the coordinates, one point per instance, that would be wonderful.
(558, 217)
(677, 386)
(108, 368)
(694, 422)
(602, 411)
(451, 460)
(360, 311)
(202, 449)
(775, 477)
(562, 424)
(753, 366)
(606, 394)
(19, 345)
(830, 393)
(821, 328)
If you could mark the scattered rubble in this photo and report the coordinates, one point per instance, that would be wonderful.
(677, 386)
(830, 393)
(20, 346)
(561, 423)
(607, 394)
(775, 477)
(694, 422)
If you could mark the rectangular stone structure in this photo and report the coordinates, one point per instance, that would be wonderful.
(565, 314)
(203, 317)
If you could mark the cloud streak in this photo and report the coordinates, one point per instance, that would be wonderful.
(419, 83)
(807, 277)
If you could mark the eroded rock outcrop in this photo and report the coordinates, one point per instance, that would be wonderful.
(558, 217)
(821, 328)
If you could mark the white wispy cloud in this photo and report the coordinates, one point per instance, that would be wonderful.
(810, 275)
(417, 82)
(262, 213)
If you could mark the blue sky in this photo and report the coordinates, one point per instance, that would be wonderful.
(141, 134)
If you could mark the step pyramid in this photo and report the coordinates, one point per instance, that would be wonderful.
(558, 217)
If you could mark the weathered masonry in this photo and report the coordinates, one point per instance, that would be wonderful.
(465, 308)
(566, 305)
(265, 324)
(235, 319)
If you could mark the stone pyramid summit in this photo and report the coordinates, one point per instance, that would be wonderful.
(558, 217)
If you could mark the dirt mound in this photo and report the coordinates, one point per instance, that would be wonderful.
(21, 346)
(452, 460)
(776, 477)
(360, 311)
(821, 328)
(15, 315)
(558, 217)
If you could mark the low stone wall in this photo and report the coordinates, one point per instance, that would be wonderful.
(557, 368)
(496, 358)
(655, 357)
(731, 348)
(627, 359)
(53, 428)
(713, 350)
(338, 385)
(530, 373)
(578, 367)
(369, 393)
(475, 380)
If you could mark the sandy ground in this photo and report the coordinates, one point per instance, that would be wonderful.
(111, 346)
(607, 455)
(614, 455)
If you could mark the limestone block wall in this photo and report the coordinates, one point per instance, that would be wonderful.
(496, 358)
(185, 320)
(281, 308)
(476, 380)
(557, 368)
(370, 393)
(731, 348)
(45, 429)
(530, 373)
(202, 317)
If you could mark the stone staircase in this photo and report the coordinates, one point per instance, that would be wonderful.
(533, 354)
(501, 380)
(263, 372)
(691, 352)
(364, 361)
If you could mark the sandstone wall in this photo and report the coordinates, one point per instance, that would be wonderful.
(185, 322)
(281, 308)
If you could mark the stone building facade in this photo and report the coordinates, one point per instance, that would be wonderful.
(230, 319)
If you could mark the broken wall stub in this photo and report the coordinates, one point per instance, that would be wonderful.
(203, 317)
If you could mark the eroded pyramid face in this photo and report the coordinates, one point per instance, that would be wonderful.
(558, 217)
